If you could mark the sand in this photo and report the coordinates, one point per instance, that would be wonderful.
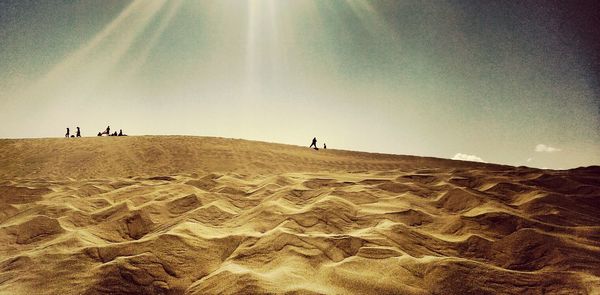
(198, 215)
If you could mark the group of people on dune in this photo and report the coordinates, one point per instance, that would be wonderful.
(107, 132)
(314, 144)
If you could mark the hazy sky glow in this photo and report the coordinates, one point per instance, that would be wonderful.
(504, 83)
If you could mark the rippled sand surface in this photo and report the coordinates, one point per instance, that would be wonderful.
(196, 215)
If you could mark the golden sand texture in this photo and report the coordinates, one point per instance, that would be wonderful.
(196, 215)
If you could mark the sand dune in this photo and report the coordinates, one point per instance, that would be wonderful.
(195, 215)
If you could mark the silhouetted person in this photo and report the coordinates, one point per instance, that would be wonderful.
(324, 146)
(78, 132)
(114, 134)
(120, 132)
(99, 133)
(108, 130)
(314, 143)
(67, 135)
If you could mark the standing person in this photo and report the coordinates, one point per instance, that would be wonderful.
(68, 133)
(314, 143)
(108, 130)
(78, 132)
(324, 146)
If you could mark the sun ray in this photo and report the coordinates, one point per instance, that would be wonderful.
(142, 57)
(251, 44)
(92, 62)
(368, 16)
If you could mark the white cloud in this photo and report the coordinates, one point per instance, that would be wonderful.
(542, 148)
(465, 157)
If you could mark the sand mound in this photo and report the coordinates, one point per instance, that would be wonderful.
(34, 229)
(190, 215)
(456, 200)
(21, 195)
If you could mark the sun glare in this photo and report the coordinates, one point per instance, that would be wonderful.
(269, 35)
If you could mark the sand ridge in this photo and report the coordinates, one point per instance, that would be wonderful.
(256, 217)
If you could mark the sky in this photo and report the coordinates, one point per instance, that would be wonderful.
(492, 81)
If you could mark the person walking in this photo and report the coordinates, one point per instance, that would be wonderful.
(68, 133)
(314, 143)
